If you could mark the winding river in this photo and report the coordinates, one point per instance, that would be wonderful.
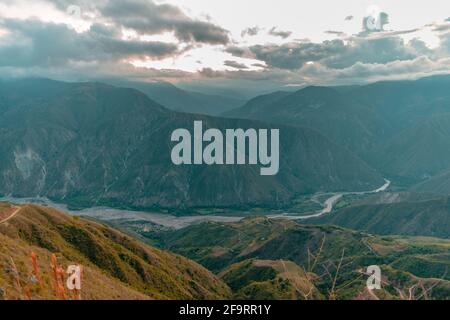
(330, 202)
(166, 220)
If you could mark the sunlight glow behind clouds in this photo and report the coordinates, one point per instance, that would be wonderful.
(259, 40)
(198, 59)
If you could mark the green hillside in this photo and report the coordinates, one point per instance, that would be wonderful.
(320, 261)
(115, 265)
(414, 218)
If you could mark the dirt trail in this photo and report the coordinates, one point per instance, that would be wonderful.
(17, 209)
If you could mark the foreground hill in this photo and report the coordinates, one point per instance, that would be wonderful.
(92, 144)
(264, 258)
(115, 266)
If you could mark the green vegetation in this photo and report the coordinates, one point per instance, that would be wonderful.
(429, 217)
(123, 267)
(263, 258)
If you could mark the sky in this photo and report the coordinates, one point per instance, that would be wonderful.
(246, 44)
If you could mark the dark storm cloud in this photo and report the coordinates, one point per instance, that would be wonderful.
(290, 55)
(279, 33)
(235, 64)
(335, 53)
(366, 50)
(32, 43)
(147, 17)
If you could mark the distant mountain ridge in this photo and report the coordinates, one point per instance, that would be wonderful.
(344, 121)
(398, 127)
(177, 99)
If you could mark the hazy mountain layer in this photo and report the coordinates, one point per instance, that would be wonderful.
(180, 100)
(93, 144)
(350, 124)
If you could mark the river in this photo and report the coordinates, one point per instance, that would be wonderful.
(330, 202)
(171, 221)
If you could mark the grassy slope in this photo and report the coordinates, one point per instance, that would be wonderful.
(268, 279)
(413, 218)
(227, 247)
(116, 266)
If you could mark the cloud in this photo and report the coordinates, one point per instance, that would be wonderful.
(278, 33)
(336, 33)
(317, 73)
(253, 31)
(115, 30)
(36, 43)
(335, 53)
(290, 55)
(259, 65)
(149, 18)
(441, 27)
(445, 43)
(369, 50)
(235, 64)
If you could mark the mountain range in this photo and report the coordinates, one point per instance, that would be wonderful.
(94, 144)
(352, 125)
(108, 144)
(399, 127)
(177, 99)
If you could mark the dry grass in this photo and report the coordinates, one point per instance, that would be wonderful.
(115, 265)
